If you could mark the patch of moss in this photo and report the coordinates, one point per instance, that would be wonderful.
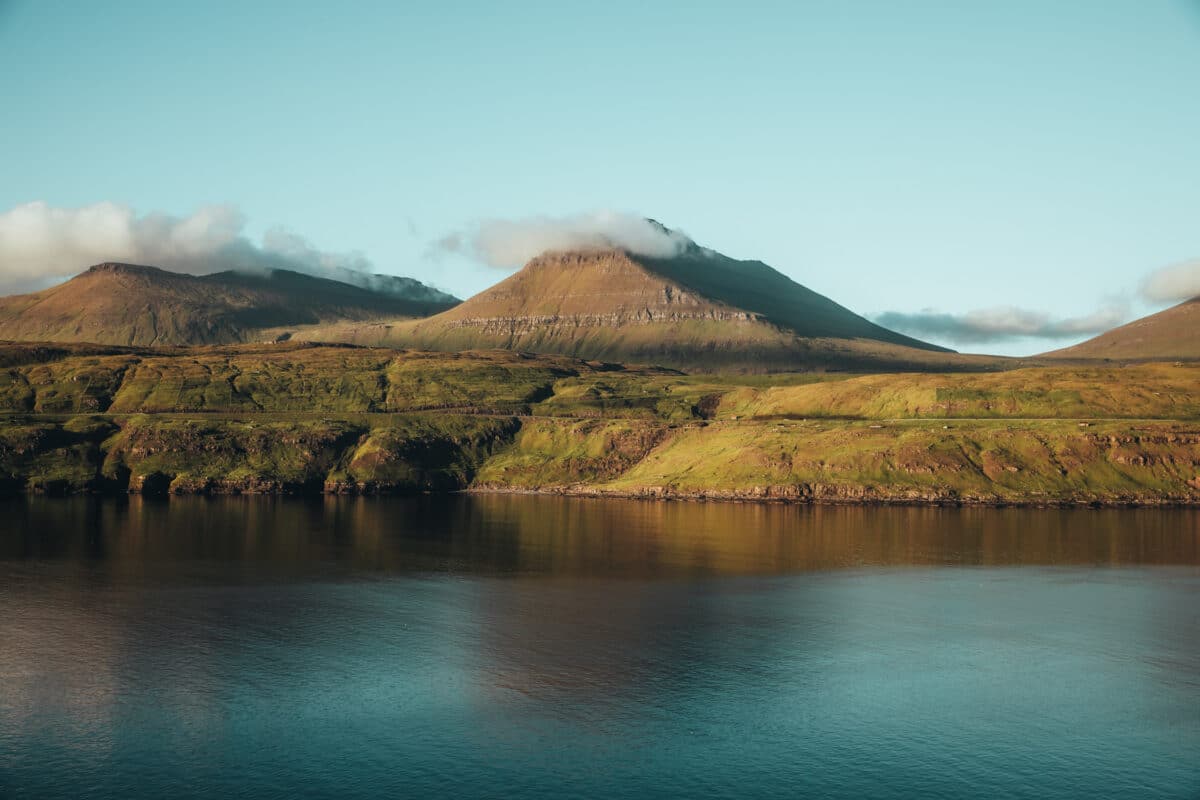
(426, 453)
(549, 453)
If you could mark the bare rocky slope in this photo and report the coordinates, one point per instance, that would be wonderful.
(125, 304)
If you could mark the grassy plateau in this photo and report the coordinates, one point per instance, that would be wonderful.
(292, 418)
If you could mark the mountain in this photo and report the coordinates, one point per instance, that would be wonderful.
(394, 285)
(127, 304)
(1170, 335)
(697, 310)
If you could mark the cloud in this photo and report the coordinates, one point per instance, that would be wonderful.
(511, 243)
(999, 324)
(41, 244)
(1173, 284)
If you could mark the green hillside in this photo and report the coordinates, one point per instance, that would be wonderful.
(295, 418)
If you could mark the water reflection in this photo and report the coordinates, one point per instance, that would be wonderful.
(496, 534)
(544, 647)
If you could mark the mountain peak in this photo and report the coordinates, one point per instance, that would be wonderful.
(134, 304)
(119, 266)
(694, 309)
(658, 226)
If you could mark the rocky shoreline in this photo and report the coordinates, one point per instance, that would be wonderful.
(847, 496)
(836, 463)
(158, 485)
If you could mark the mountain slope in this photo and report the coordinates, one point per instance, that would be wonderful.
(700, 310)
(760, 289)
(137, 305)
(1170, 335)
(394, 285)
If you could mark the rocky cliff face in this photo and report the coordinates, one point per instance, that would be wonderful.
(529, 324)
(1154, 464)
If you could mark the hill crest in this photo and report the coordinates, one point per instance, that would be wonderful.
(697, 310)
(1169, 335)
(133, 304)
(615, 287)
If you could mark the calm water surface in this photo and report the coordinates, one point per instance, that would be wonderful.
(538, 647)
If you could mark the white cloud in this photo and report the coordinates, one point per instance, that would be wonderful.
(1173, 284)
(40, 244)
(998, 324)
(511, 243)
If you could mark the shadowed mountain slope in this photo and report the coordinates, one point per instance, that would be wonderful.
(1170, 335)
(699, 310)
(126, 304)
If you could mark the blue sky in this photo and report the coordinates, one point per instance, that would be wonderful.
(899, 157)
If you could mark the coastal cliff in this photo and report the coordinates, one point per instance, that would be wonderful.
(1052, 463)
(291, 419)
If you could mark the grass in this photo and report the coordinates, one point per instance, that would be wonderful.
(54, 457)
(362, 420)
(284, 379)
(198, 454)
(1151, 391)
(550, 453)
(425, 453)
(980, 461)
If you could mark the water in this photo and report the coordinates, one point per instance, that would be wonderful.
(549, 648)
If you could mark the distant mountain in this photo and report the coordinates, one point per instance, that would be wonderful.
(1171, 335)
(698, 310)
(394, 285)
(127, 304)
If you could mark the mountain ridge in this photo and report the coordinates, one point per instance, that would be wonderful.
(133, 304)
(697, 310)
(1172, 334)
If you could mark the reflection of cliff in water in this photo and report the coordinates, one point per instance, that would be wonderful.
(528, 535)
(510, 625)
(610, 639)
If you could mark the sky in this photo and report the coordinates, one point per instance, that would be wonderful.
(997, 176)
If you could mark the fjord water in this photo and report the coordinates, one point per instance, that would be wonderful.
(493, 646)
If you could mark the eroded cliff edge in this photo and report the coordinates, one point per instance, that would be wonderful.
(344, 420)
(838, 462)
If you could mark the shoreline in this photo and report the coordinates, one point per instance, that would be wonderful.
(752, 498)
(769, 495)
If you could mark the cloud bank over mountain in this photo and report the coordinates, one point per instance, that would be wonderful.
(42, 244)
(999, 324)
(1174, 283)
(507, 244)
